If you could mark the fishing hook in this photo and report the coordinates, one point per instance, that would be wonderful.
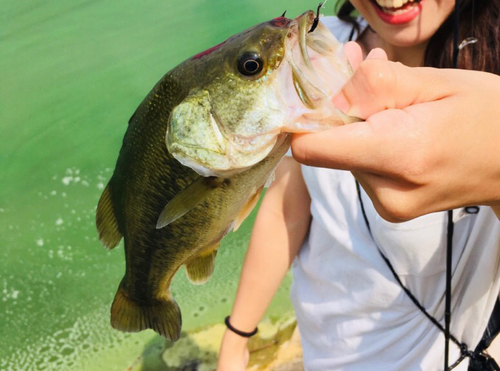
(316, 20)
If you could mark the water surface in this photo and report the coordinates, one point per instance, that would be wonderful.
(72, 73)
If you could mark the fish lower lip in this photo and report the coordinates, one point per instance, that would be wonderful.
(301, 92)
(304, 23)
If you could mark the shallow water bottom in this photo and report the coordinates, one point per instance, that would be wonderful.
(275, 347)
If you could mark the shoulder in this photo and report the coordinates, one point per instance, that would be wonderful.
(342, 30)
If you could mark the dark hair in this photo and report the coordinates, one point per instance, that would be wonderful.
(479, 19)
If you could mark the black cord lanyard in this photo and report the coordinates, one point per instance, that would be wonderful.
(449, 238)
(449, 267)
(449, 245)
(464, 350)
(480, 360)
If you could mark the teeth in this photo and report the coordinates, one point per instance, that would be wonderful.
(393, 3)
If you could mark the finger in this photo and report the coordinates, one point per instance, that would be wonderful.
(354, 54)
(378, 84)
(389, 198)
(369, 182)
(395, 143)
(398, 201)
(377, 53)
(346, 147)
(377, 145)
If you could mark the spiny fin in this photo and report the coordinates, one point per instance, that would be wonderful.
(163, 316)
(200, 269)
(187, 199)
(106, 223)
(247, 209)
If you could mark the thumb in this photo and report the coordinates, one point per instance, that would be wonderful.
(378, 84)
(354, 54)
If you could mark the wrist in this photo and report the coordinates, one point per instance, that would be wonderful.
(234, 342)
(238, 331)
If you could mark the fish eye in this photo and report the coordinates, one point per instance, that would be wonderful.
(250, 64)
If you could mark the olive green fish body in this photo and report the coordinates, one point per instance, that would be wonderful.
(197, 153)
(146, 179)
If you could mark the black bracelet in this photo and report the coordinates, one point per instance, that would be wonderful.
(238, 332)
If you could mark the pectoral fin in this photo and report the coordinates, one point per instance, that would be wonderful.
(187, 199)
(247, 209)
(200, 269)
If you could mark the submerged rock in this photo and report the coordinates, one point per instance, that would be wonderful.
(276, 347)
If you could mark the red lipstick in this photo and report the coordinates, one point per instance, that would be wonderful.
(402, 15)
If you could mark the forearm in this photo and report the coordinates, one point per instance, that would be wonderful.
(267, 261)
(280, 227)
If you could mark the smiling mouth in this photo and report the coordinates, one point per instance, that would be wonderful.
(394, 7)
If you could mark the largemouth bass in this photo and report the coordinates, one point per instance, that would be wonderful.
(198, 151)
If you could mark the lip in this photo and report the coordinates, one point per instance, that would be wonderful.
(304, 76)
(401, 18)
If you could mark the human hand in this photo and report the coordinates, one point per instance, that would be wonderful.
(233, 354)
(430, 140)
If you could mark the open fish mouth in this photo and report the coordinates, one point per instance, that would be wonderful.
(319, 69)
(306, 56)
(305, 78)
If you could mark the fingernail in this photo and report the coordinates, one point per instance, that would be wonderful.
(371, 54)
(377, 53)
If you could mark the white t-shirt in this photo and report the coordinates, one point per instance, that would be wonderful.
(352, 313)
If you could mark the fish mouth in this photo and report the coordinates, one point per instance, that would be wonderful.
(318, 69)
(306, 81)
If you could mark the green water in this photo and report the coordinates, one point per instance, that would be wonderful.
(71, 75)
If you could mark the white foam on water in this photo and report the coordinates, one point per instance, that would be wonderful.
(69, 348)
(67, 180)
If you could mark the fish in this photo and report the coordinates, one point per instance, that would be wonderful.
(199, 150)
